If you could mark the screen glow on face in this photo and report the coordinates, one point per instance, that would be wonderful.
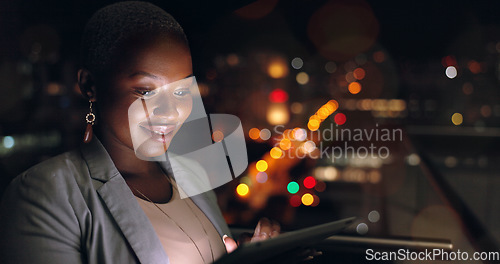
(157, 115)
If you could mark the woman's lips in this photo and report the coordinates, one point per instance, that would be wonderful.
(161, 133)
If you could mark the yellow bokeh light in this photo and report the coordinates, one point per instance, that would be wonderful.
(277, 114)
(307, 199)
(323, 112)
(334, 104)
(277, 69)
(322, 115)
(242, 189)
(261, 165)
(276, 153)
(329, 108)
(285, 144)
(313, 125)
(302, 78)
(354, 87)
(457, 119)
(254, 133)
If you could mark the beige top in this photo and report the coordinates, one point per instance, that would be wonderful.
(183, 238)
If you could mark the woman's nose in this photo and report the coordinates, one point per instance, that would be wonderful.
(166, 108)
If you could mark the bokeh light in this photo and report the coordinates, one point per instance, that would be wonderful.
(261, 165)
(217, 136)
(300, 134)
(285, 144)
(330, 67)
(451, 72)
(485, 111)
(354, 87)
(474, 66)
(292, 187)
(315, 200)
(308, 146)
(277, 114)
(307, 199)
(362, 228)
(450, 162)
(254, 133)
(359, 73)
(297, 63)
(295, 201)
(373, 216)
(265, 134)
(340, 119)
(8, 142)
(276, 153)
(261, 177)
(302, 78)
(334, 104)
(309, 182)
(278, 68)
(468, 88)
(457, 119)
(413, 159)
(278, 96)
(349, 77)
(320, 186)
(242, 189)
(313, 124)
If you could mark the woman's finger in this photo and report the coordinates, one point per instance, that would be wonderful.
(276, 228)
(229, 243)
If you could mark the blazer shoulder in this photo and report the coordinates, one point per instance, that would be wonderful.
(53, 174)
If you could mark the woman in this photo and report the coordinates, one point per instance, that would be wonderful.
(108, 202)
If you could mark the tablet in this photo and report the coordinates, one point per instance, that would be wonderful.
(260, 251)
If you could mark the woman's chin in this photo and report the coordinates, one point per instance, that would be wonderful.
(152, 150)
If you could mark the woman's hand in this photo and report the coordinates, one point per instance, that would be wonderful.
(265, 229)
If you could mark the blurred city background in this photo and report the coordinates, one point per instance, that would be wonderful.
(385, 110)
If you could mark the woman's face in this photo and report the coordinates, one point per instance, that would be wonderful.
(148, 96)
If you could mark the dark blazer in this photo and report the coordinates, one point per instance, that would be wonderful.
(77, 208)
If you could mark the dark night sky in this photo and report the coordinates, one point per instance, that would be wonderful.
(413, 29)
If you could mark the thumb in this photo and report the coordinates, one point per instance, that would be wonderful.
(229, 243)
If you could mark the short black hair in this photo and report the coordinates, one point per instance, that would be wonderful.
(110, 26)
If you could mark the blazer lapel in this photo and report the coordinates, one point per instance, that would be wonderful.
(123, 206)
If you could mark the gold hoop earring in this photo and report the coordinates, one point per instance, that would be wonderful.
(90, 118)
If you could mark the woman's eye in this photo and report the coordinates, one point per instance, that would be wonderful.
(146, 93)
(182, 92)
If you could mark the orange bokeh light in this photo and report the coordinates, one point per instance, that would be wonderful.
(354, 87)
(254, 133)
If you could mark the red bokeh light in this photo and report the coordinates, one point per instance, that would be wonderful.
(278, 96)
(309, 182)
(295, 201)
(340, 119)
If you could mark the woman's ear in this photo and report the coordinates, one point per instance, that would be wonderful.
(86, 81)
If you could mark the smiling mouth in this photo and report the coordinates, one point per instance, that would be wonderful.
(159, 132)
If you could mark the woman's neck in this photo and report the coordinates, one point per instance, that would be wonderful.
(141, 176)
